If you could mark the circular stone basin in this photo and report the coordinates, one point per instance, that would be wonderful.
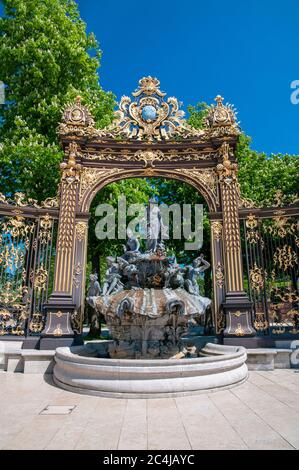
(149, 113)
(219, 367)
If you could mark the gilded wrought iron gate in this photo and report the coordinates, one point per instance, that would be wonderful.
(27, 241)
(271, 272)
(165, 146)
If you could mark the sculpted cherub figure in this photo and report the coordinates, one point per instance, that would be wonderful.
(193, 272)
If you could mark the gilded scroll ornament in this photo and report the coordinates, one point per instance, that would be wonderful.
(91, 176)
(260, 323)
(282, 226)
(247, 203)
(81, 228)
(251, 221)
(12, 257)
(36, 323)
(18, 226)
(172, 155)
(285, 257)
(149, 172)
(219, 275)
(287, 295)
(10, 294)
(279, 331)
(5, 314)
(45, 233)
(252, 235)
(18, 331)
(257, 275)
(50, 203)
(20, 200)
(217, 229)
(46, 222)
(149, 157)
(150, 116)
(13, 321)
(39, 278)
(279, 199)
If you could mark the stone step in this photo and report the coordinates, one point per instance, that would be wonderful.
(268, 358)
(29, 361)
(6, 345)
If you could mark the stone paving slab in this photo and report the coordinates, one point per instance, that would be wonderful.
(262, 413)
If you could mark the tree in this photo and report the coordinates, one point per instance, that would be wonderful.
(47, 58)
(176, 192)
(135, 190)
(197, 114)
(259, 175)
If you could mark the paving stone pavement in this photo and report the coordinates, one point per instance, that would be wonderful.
(262, 413)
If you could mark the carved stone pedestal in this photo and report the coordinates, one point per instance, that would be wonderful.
(58, 330)
(237, 308)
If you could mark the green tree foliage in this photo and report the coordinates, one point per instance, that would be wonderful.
(47, 58)
(197, 115)
(176, 192)
(260, 175)
(135, 190)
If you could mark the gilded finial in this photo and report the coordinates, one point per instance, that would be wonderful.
(70, 169)
(219, 100)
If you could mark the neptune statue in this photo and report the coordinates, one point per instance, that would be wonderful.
(149, 300)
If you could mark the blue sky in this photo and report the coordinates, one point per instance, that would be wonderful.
(247, 51)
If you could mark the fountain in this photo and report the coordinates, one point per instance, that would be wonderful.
(149, 302)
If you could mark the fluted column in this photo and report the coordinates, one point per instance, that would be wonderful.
(60, 306)
(237, 305)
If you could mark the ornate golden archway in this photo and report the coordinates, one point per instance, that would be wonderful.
(149, 137)
(204, 181)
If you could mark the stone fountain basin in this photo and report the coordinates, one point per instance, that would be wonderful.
(220, 367)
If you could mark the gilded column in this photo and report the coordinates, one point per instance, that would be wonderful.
(60, 306)
(227, 172)
(70, 182)
(237, 305)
